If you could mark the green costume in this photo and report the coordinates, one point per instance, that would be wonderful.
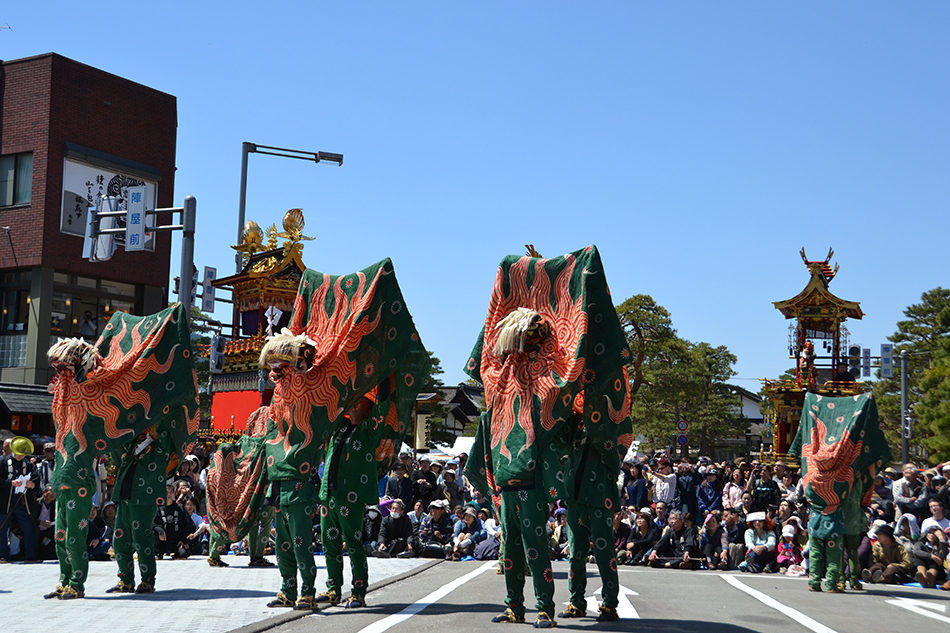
(348, 335)
(139, 489)
(237, 486)
(141, 369)
(541, 345)
(841, 446)
(72, 525)
(349, 484)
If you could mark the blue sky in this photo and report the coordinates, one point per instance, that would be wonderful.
(700, 145)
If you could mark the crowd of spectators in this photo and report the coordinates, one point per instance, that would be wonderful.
(676, 514)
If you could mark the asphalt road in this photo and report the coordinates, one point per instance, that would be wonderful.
(461, 597)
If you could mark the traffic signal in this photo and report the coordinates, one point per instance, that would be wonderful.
(854, 361)
(216, 365)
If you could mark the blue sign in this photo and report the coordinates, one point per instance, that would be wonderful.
(682, 440)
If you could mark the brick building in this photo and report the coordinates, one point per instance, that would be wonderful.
(71, 133)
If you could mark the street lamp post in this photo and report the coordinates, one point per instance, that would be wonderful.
(247, 148)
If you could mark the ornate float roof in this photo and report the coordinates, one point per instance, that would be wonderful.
(816, 302)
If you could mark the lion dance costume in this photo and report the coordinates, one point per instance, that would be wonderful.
(841, 447)
(551, 333)
(346, 372)
(138, 375)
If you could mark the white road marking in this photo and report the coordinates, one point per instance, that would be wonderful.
(920, 608)
(768, 601)
(625, 608)
(416, 607)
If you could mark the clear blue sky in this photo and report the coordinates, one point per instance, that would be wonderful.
(700, 145)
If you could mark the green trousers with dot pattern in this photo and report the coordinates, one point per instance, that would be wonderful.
(133, 533)
(524, 516)
(586, 524)
(343, 522)
(72, 525)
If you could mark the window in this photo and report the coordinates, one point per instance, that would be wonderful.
(16, 179)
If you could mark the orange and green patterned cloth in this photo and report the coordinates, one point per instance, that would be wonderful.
(146, 378)
(364, 335)
(841, 447)
(530, 422)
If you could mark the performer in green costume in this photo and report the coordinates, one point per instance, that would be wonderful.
(839, 442)
(591, 493)
(139, 488)
(348, 334)
(237, 483)
(140, 369)
(535, 354)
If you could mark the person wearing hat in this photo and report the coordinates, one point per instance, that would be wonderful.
(424, 482)
(469, 531)
(46, 466)
(18, 485)
(789, 553)
(890, 562)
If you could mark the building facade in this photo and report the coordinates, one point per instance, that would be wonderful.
(71, 133)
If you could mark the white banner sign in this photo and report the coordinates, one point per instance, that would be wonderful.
(83, 185)
(135, 219)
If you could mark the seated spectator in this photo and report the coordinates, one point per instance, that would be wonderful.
(97, 545)
(415, 517)
(395, 531)
(708, 496)
(171, 528)
(469, 531)
(907, 531)
(765, 493)
(451, 491)
(372, 520)
(434, 539)
(662, 510)
(890, 562)
(490, 547)
(635, 489)
(732, 491)
(910, 493)
(198, 532)
(789, 553)
(621, 529)
(786, 483)
(882, 489)
(937, 516)
(713, 540)
(46, 524)
(560, 549)
(734, 530)
(760, 544)
(399, 485)
(643, 536)
(678, 545)
(928, 554)
(746, 507)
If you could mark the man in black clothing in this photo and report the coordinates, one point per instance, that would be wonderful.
(172, 526)
(686, 482)
(18, 484)
(395, 532)
(47, 465)
(678, 545)
(735, 534)
(399, 485)
(765, 492)
(423, 482)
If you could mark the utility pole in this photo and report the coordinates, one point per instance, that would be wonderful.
(905, 415)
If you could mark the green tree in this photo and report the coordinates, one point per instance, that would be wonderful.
(674, 379)
(925, 334)
(436, 411)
